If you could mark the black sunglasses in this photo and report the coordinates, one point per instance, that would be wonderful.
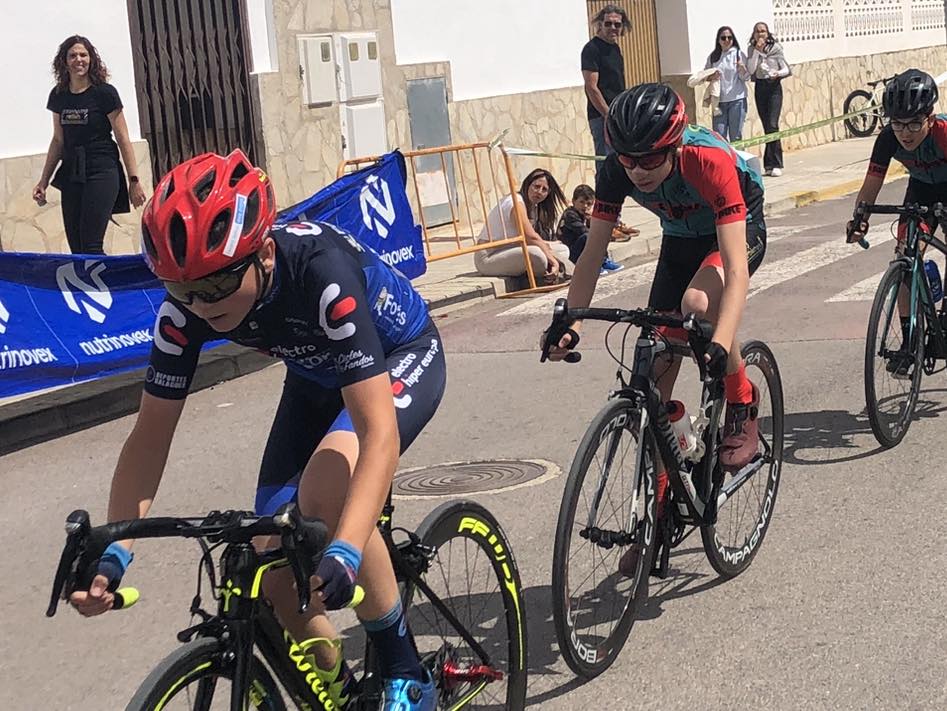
(616, 25)
(213, 287)
(646, 161)
(726, 37)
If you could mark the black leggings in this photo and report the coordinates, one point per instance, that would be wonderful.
(86, 209)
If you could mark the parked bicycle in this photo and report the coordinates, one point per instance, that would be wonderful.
(896, 356)
(864, 124)
(610, 500)
(461, 590)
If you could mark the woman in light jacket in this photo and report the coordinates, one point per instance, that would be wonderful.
(730, 62)
(768, 68)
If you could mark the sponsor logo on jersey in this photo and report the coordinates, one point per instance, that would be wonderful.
(331, 308)
(168, 335)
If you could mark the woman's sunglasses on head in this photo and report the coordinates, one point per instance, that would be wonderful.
(645, 161)
(213, 287)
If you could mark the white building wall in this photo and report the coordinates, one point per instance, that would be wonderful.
(30, 33)
(809, 30)
(495, 47)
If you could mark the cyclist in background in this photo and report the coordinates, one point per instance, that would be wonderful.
(365, 373)
(711, 208)
(917, 139)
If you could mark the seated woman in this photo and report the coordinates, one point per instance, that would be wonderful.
(538, 201)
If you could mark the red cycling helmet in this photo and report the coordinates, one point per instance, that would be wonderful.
(206, 214)
(645, 118)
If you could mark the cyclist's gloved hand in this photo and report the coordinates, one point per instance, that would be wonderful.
(99, 598)
(337, 572)
(560, 341)
(855, 230)
(716, 358)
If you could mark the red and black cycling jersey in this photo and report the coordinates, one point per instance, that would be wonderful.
(709, 185)
(926, 163)
(334, 312)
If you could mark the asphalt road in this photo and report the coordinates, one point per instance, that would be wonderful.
(842, 608)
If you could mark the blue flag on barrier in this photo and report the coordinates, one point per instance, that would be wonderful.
(372, 205)
(65, 318)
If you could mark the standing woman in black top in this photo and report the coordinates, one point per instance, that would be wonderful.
(86, 110)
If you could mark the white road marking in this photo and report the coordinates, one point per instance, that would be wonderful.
(776, 273)
(862, 291)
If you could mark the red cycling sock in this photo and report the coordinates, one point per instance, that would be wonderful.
(738, 387)
(662, 491)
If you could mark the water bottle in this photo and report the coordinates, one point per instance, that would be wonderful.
(933, 277)
(683, 427)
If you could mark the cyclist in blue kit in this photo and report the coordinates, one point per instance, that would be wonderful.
(365, 373)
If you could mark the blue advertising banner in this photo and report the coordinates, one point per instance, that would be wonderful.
(65, 318)
(372, 205)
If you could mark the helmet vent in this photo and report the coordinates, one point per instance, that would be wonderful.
(239, 171)
(178, 235)
(205, 185)
(252, 212)
(218, 230)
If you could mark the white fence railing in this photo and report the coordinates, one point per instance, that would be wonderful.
(821, 29)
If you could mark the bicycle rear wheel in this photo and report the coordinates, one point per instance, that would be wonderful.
(864, 124)
(744, 517)
(471, 569)
(892, 368)
(606, 498)
(189, 678)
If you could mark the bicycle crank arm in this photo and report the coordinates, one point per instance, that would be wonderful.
(739, 479)
(608, 539)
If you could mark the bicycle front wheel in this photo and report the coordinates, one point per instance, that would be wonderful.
(194, 677)
(892, 368)
(471, 570)
(605, 539)
(865, 123)
(744, 516)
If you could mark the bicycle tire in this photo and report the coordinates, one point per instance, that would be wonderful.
(451, 526)
(199, 661)
(864, 125)
(890, 431)
(585, 656)
(729, 560)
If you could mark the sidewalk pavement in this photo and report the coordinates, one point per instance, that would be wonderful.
(810, 175)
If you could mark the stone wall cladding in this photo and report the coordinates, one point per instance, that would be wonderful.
(817, 90)
(26, 227)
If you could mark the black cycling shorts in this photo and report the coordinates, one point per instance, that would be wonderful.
(307, 412)
(682, 257)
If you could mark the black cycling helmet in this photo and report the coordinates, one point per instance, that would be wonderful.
(910, 93)
(645, 118)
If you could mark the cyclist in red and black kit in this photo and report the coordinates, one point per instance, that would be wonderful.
(917, 139)
(365, 372)
(711, 208)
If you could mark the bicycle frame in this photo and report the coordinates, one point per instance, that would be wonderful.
(920, 289)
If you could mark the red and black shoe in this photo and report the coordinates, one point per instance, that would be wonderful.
(741, 435)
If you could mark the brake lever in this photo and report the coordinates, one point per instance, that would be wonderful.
(77, 527)
(300, 565)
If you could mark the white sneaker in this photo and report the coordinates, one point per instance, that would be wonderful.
(776, 172)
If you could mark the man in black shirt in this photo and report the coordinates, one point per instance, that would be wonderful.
(604, 72)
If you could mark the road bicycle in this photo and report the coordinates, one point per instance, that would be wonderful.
(864, 124)
(896, 356)
(610, 502)
(460, 587)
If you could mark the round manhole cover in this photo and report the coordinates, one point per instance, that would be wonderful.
(455, 478)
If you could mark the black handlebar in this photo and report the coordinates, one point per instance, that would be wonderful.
(863, 210)
(700, 331)
(302, 541)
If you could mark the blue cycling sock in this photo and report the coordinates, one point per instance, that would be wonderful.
(397, 657)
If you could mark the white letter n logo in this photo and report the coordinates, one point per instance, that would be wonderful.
(98, 292)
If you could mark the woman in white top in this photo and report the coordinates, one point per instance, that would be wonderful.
(768, 67)
(730, 63)
(539, 201)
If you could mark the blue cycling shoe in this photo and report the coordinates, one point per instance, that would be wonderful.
(409, 694)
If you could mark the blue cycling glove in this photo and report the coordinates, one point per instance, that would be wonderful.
(113, 564)
(337, 572)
